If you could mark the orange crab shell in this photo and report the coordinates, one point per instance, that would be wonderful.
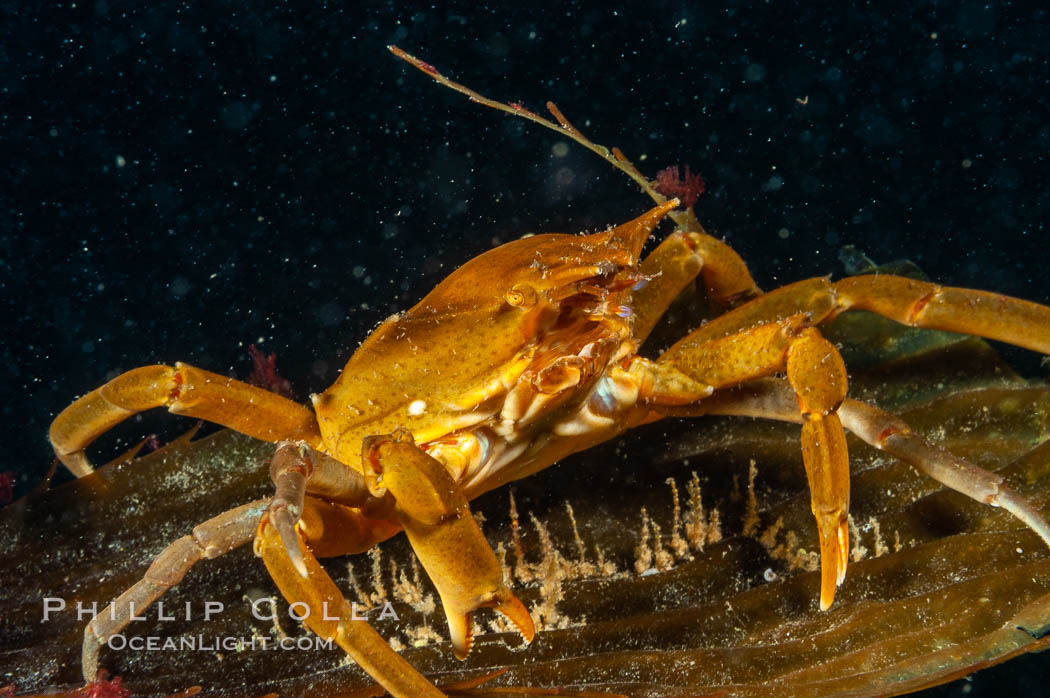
(473, 335)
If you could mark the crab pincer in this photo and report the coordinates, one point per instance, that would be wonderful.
(435, 516)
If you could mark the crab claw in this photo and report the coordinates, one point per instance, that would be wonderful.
(824, 454)
(834, 554)
(433, 511)
(460, 626)
(818, 376)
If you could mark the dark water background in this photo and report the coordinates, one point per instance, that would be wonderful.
(182, 181)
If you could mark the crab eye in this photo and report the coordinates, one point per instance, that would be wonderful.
(521, 296)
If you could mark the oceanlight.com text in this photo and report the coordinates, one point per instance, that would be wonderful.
(215, 643)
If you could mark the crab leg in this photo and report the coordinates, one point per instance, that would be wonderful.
(818, 376)
(348, 520)
(811, 298)
(183, 390)
(403, 487)
(331, 528)
(886, 432)
(907, 301)
(923, 304)
(433, 510)
(331, 617)
(773, 399)
(675, 263)
(213, 538)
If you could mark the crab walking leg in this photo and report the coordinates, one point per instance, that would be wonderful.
(774, 399)
(923, 304)
(811, 299)
(888, 433)
(185, 390)
(907, 301)
(675, 263)
(818, 376)
(331, 617)
(329, 528)
(349, 520)
(210, 539)
(433, 511)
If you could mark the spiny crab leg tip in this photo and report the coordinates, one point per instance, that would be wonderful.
(298, 563)
(286, 529)
(295, 554)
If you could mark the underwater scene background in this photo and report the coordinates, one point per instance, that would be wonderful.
(180, 181)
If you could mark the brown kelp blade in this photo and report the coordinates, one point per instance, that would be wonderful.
(938, 585)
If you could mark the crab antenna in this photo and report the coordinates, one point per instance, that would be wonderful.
(615, 157)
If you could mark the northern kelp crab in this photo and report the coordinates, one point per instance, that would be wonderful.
(564, 316)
